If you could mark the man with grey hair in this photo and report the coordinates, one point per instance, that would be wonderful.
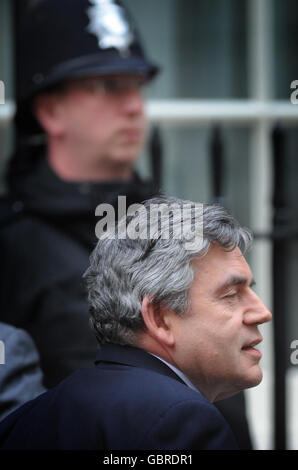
(173, 309)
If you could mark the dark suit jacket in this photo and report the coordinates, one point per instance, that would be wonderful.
(130, 400)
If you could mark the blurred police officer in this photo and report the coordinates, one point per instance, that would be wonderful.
(81, 127)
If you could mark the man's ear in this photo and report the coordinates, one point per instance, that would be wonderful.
(157, 319)
(46, 109)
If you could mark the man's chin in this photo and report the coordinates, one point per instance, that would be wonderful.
(126, 156)
(249, 381)
(255, 377)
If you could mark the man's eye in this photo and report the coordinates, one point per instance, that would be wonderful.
(112, 87)
(119, 86)
(231, 295)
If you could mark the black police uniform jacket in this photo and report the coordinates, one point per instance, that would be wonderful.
(47, 234)
(130, 400)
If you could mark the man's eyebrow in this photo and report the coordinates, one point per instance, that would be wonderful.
(235, 280)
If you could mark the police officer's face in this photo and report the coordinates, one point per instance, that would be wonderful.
(103, 118)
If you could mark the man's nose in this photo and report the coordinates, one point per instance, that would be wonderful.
(133, 101)
(257, 312)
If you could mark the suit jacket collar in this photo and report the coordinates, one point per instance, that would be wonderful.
(135, 357)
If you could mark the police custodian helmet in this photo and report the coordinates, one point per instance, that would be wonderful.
(65, 39)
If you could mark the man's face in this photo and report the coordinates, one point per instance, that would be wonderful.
(102, 118)
(215, 338)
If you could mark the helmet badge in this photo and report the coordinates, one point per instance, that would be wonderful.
(110, 25)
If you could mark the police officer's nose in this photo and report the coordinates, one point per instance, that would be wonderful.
(132, 101)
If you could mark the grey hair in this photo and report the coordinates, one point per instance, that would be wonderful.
(123, 270)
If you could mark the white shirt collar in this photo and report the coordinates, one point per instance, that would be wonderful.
(177, 372)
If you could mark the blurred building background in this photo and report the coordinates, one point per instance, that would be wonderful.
(225, 88)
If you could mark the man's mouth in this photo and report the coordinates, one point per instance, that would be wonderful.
(133, 133)
(250, 347)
